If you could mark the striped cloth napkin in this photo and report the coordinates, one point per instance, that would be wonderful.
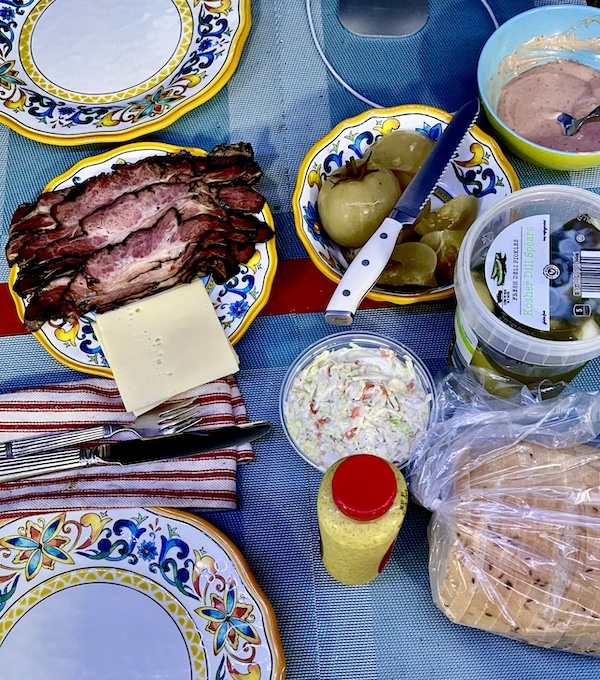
(205, 481)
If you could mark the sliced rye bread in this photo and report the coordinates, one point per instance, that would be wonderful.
(522, 558)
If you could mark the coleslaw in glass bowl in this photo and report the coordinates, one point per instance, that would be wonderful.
(356, 393)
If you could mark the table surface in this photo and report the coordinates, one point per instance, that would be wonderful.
(282, 99)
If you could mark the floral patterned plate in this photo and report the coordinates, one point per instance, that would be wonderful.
(132, 593)
(479, 168)
(237, 301)
(81, 71)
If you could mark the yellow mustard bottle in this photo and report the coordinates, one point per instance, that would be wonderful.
(361, 505)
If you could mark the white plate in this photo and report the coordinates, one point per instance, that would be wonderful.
(130, 594)
(237, 301)
(82, 71)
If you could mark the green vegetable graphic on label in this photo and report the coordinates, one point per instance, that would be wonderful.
(499, 269)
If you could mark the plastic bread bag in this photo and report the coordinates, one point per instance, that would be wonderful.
(514, 538)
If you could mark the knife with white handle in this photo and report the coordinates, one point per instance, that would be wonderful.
(370, 262)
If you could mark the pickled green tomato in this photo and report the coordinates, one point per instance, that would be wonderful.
(355, 200)
(458, 214)
(446, 244)
(402, 152)
(441, 234)
(461, 211)
(412, 264)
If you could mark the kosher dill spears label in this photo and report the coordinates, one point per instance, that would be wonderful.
(518, 271)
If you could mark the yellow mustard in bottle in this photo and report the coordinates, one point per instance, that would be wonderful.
(361, 506)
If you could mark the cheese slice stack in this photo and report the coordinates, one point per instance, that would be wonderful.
(164, 345)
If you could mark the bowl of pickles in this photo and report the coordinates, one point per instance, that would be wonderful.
(350, 180)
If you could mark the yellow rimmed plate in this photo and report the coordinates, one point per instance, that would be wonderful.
(81, 71)
(479, 168)
(237, 302)
(131, 593)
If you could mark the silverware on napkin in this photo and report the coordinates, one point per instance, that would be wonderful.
(164, 419)
(367, 266)
(133, 451)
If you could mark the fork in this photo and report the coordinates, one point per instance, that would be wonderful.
(171, 419)
(572, 125)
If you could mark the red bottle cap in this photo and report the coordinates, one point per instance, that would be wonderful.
(364, 486)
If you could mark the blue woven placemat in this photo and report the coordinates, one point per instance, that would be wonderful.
(282, 99)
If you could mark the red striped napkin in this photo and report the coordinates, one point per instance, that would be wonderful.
(205, 481)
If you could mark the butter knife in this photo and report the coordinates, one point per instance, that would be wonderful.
(367, 266)
(132, 451)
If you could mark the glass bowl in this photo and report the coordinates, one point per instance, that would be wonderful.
(422, 398)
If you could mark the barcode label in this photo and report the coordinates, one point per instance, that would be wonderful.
(589, 262)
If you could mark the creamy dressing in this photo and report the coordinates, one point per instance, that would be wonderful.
(530, 104)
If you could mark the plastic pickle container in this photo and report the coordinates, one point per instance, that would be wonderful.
(361, 505)
(527, 284)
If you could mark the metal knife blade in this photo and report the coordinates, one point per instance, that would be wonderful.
(132, 451)
(175, 445)
(366, 268)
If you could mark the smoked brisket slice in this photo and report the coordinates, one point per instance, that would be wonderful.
(165, 275)
(222, 154)
(148, 261)
(232, 163)
(29, 216)
(61, 211)
(145, 227)
(75, 202)
(242, 252)
(242, 198)
(37, 274)
(33, 219)
(35, 271)
(112, 223)
(67, 207)
(47, 303)
(103, 189)
(144, 251)
(225, 164)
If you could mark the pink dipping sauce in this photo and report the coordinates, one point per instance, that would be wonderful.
(530, 103)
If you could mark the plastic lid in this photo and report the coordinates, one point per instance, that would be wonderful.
(364, 486)
(561, 203)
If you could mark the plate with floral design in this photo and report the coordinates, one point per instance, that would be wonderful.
(81, 71)
(132, 593)
(478, 168)
(237, 301)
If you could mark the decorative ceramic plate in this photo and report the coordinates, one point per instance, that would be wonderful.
(81, 71)
(479, 168)
(237, 301)
(133, 593)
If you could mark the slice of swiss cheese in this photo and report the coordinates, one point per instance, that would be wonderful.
(164, 345)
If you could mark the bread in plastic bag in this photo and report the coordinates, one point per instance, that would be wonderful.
(514, 539)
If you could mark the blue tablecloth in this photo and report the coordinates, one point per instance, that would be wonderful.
(282, 99)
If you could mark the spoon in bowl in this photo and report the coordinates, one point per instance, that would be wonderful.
(572, 125)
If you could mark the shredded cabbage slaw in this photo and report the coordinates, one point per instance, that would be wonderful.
(357, 400)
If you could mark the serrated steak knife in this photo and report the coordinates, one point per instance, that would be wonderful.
(132, 451)
(366, 268)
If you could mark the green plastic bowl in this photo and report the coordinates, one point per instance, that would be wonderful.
(583, 22)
